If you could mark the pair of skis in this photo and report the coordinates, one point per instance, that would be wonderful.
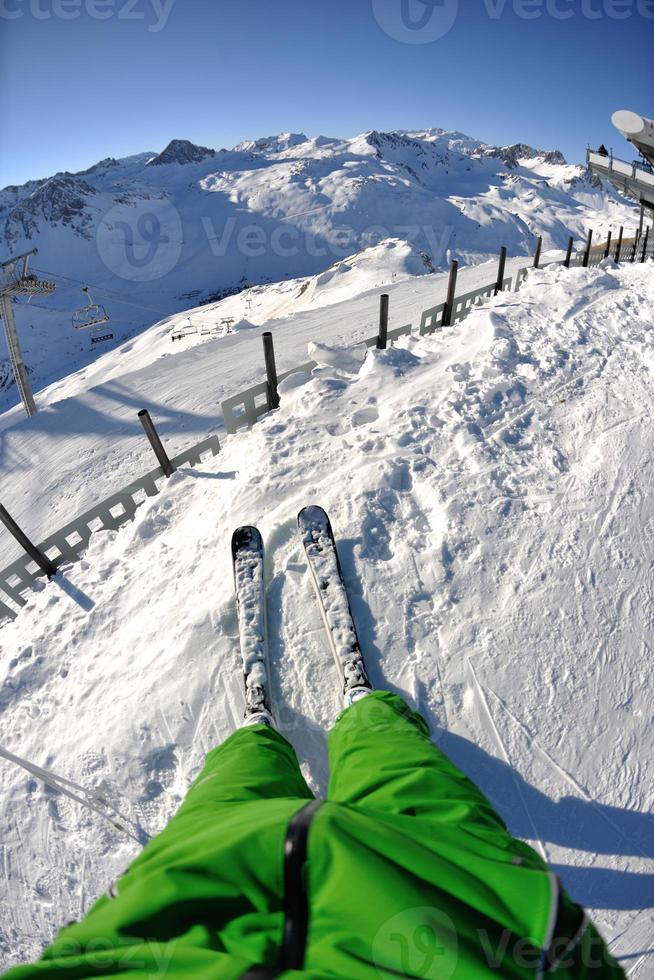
(249, 583)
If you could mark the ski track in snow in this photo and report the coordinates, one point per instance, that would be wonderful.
(489, 489)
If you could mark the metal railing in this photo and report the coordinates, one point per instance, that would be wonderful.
(634, 171)
(69, 543)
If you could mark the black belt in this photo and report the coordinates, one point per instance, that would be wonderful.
(296, 900)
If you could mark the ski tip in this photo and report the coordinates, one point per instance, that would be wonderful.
(311, 515)
(246, 536)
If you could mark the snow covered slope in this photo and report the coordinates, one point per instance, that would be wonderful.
(490, 488)
(86, 442)
(155, 234)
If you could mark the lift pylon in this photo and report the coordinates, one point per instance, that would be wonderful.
(16, 280)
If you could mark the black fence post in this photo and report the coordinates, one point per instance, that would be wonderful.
(271, 370)
(644, 254)
(499, 285)
(589, 242)
(634, 249)
(607, 250)
(618, 247)
(451, 290)
(568, 254)
(155, 442)
(383, 322)
(539, 245)
(41, 560)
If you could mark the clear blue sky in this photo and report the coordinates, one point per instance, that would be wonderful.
(75, 88)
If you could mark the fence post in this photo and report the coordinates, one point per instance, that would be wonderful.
(607, 250)
(383, 322)
(634, 248)
(539, 245)
(271, 370)
(618, 247)
(41, 560)
(155, 442)
(646, 236)
(589, 242)
(500, 271)
(568, 254)
(451, 290)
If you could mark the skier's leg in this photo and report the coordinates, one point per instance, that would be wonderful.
(382, 757)
(254, 763)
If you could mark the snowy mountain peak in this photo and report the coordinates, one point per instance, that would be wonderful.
(100, 167)
(61, 199)
(271, 144)
(394, 141)
(181, 151)
(512, 155)
(517, 152)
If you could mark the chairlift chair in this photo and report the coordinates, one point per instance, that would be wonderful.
(189, 328)
(90, 315)
(186, 330)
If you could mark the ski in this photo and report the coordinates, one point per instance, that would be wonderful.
(320, 548)
(247, 560)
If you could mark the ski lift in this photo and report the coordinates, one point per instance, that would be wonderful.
(90, 315)
(186, 330)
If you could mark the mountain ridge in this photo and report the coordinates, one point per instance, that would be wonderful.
(176, 148)
(154, 233)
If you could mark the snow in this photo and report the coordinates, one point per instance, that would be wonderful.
(86, 440)
(152, 238)
(341, 359)
(489, 487)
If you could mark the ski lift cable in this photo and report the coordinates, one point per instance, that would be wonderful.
(116, 296)
(41, 306)
(108, 292)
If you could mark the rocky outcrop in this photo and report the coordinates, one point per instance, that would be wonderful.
(181, 151)
(60, 200)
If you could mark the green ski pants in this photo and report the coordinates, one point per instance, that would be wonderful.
(405, 870)
(380, 755)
